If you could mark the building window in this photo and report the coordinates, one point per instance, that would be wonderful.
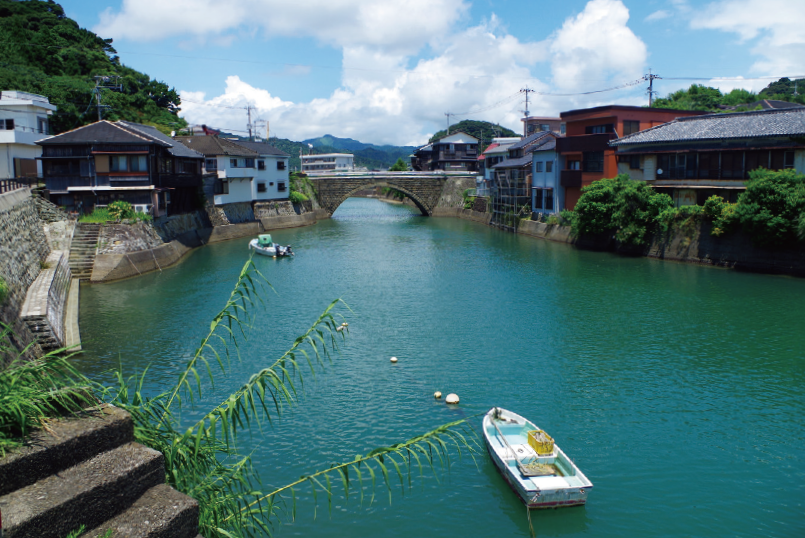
(539, 167)
(600, 129)
(788, 160)
(281, 186)
(186, 167)
(221, 186)
(42, 125)
(8, 125)
(574, 165)
(630, 127)
(593, 161)
(549, 199)
(563, 129)
(249, 163)
(166, 165)
(634, 162)
(211, 165)
(537, 198)
(549, 166)
(118, 163)
(138, 163)
(261, 165)
(280, 165)
(544, 127)
(261, 186)
(233, 163)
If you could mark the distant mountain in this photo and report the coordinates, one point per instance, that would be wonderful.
(482, 130)
(369, 155)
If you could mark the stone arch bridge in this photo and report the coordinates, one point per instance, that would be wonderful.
(423, 188)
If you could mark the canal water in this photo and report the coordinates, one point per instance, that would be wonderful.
(679, 390)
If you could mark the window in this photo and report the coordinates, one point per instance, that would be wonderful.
(549, 166)
(261, 186)
(261, 165)
(166, 165)
(42, 125)
(118, 163)
(8, 125)
(539, 166)
(574, 165)
(221, 186)
(634, 162)
(789, 159)
(537, 198)
(593, 161)
(138, 163)
(600, 129)
(563, 129)
(549, 199)
(630, 127)
(281, 186)
(187, 167)
(249, 163)
(280, 165)
(544, 127)
(211, 165)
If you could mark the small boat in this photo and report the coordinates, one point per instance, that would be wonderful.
(267, 247)
(535, 468)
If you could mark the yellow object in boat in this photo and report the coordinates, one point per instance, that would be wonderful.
(541, 442)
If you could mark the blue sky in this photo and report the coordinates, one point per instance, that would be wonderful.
(387, 72)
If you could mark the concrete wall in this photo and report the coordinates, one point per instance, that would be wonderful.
(44, 307)
(23, 248)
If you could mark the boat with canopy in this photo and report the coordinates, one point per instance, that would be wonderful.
(266, 246)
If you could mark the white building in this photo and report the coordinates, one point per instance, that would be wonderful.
(247, 171)
(23, 121)
(328, 162)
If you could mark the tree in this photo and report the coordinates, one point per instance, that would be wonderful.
(772, 207)
(399, 166)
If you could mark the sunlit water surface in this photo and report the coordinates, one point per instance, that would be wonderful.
(677, 389)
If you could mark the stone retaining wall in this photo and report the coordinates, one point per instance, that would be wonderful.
(43, 310)
(453, 192)
(264, 210)
(48, 211)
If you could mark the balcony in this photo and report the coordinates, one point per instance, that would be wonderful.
(570, 178)
(582, 143)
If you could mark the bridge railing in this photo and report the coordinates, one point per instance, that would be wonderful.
(381, 174)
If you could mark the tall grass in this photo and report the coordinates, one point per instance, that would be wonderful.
(203, 460)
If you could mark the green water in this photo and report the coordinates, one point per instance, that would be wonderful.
(678, 390)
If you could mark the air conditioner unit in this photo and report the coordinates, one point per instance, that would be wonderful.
(143, 208)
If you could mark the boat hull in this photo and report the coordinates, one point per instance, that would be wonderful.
(562, 489)
(273, 251)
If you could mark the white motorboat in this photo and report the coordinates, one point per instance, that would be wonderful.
(535, 468)
(264, 245)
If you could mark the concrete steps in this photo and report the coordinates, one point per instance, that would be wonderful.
(83, 249)
(89, 472)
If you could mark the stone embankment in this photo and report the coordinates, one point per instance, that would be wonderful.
(89, 471)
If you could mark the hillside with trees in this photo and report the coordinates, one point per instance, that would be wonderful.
(45, 52)
(482, 130)
(700, 97)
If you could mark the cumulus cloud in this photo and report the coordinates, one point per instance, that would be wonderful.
(596, 44)
(777, 25)
(403, 26)
(386, 95)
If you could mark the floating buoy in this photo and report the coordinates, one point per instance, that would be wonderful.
(345, 324)
(339, 329)
(437, 395)
(394, 359)
(451, 399)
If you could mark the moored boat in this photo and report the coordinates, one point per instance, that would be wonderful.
(535, 468)
(264, 245)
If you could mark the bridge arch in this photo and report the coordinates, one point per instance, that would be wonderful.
(417, 202)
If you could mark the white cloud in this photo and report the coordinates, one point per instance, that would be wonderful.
(402, 26)
(658, 15)
(777, 25)
(595, 45)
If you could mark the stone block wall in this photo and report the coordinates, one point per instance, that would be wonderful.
(43, 310)
(48, 211)
(453, 191)
(120, 238)
(264, 210)
(169, 228)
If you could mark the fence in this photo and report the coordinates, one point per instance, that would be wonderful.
(8, 185)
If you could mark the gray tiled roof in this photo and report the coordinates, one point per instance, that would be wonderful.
(263, 148)
(176, 149)
(756, 124)
(548, 145)
(516, 163)
(530, 139)
(211, 146)
(101, 132)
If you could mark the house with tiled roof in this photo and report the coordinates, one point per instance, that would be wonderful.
(456, 152)
(547, 193)
(246, 171)
(694, 158)
(99, 163)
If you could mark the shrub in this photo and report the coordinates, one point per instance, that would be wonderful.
(552, 220)
(721, 213)
(399, 166)
(297, 197)
(771, 208)
(120, 210)
(566, 217)
(98, 215)
(621, 205)
(3, 290)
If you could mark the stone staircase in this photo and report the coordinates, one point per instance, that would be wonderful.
(83, 250)
(90, 472)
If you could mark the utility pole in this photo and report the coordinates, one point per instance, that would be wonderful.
(249, 112)
(650, 78)
(104, 82)
(526, 91)
(448, 114)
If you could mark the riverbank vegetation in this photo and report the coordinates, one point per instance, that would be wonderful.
(771, 211)
(117, 211)
(203, 458)
(301, 188)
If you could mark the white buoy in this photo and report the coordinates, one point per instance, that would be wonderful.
(437, 395)
(394, 359)
(451, 399)
(345, 324)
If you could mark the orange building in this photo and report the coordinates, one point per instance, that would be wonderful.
(585, 154)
